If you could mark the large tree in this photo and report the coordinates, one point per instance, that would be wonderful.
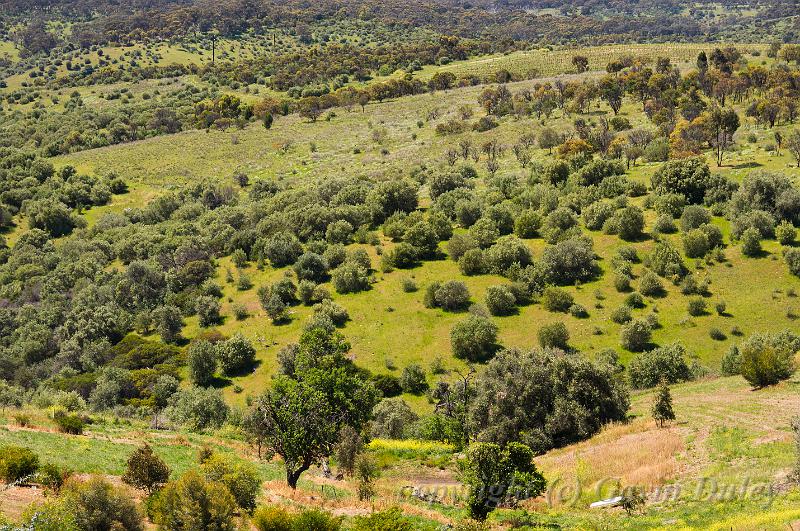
(545, 398)
(721, 124)
(301, 415)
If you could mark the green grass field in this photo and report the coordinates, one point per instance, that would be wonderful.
(326, 149)
(724, 430)
(550, 62)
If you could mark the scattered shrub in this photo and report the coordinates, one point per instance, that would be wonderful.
(556, 299)
(621, 315)
(17, 463)
(500, 301)
(71, 424)
(554, 335)
(696, 307)
(413, 380)
(635, 335)
(768, 359)
(474, 339)
(668, 362)
(97, 504)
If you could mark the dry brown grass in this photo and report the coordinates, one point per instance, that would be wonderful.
(636, 453)
(279, 492)
(14, 500)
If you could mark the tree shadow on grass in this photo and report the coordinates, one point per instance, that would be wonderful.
(220, 382)
(746, 165)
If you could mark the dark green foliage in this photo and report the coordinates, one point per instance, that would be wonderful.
(622, 281)
(634, 300)
(694, 216)
(507, 251)
(197, 408)
(413, 380)
(133, 352)
(451, 296)
(792, 257)
(696, 306)
(408, 285)
(393, 196)
(695, 243)
(763, 223)
(527, 224)
(596, 214)
(472, 262)
(459, 244)
(484, 232)
(687, 177)
(340, 231)
(328, 309)
(202, 362)
(751, 242)
(559, 225)
(282, 249)
(296, 413)
(423, 238)
(474, 339)
(388, 385)
(53, 217)
(555, 172)
(668, 362)
(545, 399)
(664, 225)
(499, 476)
(500, 300)
(770, 193)
(714, 235)
(443, 182)
(235, 355)
(207, 309)
(628, 223)
(402, 256)
(635, 335)
(650, 285)
(350, 278)
(569, 261)
(595, 171)
(350, 445)
(145, 470)
(785, 233)
(621, 315)
(666, 261)
(716, 334)
(69, 423)
(557, 299)
(311, 266)
(240, 477)
(554, 335)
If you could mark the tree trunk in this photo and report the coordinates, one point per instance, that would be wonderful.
(292, 476)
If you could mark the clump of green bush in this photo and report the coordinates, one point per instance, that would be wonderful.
(17, 463)
(270, 518)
